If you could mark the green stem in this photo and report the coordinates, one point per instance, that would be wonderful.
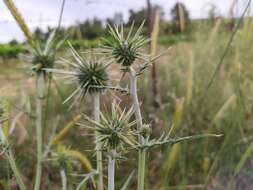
(11, 160)
(100, 182)
(39, 88)
(111, 169)
(142, 152)
(15, 170)
(141, 169)
(47, 99)
(63, 179)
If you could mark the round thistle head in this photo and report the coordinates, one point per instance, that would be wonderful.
(92, 76)
(61, 159)
(115, 129)
(125, 50)
(42, 56)
(89, 74)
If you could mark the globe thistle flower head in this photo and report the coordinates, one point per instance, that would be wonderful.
(115, 130)
(89, 74)
(125, 50)
(92, 76)
(61, 160)
(42, 56)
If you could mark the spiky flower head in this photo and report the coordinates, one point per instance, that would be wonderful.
(89, 74)
(41, 55)
(124, 49)
(115, 130)
(61, 159)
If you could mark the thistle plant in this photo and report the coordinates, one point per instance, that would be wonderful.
(125, 51)
(64, 163)
(115, 133)
(90, 76)
(40, 57)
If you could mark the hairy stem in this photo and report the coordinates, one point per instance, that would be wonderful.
(39, 88)
(142, 152)
(100, 183)
(63, 179)
(111, 169)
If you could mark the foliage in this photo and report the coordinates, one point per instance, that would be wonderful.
(11, 51)
(180, 18)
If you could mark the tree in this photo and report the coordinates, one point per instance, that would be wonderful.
(137, 17)
(38, 34)
(180, 18)
(91, 29)
(212, 13)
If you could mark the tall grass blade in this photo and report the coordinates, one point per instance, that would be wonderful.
(19, 19)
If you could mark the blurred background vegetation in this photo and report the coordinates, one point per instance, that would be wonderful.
(181, 80)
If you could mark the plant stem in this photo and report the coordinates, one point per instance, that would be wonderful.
(63, 179)
(47, 99)
(111, 169)
(141, 169)
(11, 159)
(142, 152)
(15, 170)
(98, 145)
(39, 88)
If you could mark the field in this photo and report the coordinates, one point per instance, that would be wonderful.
(204, 86)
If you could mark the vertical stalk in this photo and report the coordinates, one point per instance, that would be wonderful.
(100, 183)
(63, 179)
(142, 152)
(111, 169)
(39, 89)
(15, 170)
(141, 169)
(11, 160)
(19, 19)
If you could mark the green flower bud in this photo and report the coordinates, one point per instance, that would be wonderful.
(145, 130)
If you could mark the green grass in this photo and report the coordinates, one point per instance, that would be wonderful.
(11, 51)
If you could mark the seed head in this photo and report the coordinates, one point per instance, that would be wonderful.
(89, 74)
(115, 129)
(43, 56)
(125, 50)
